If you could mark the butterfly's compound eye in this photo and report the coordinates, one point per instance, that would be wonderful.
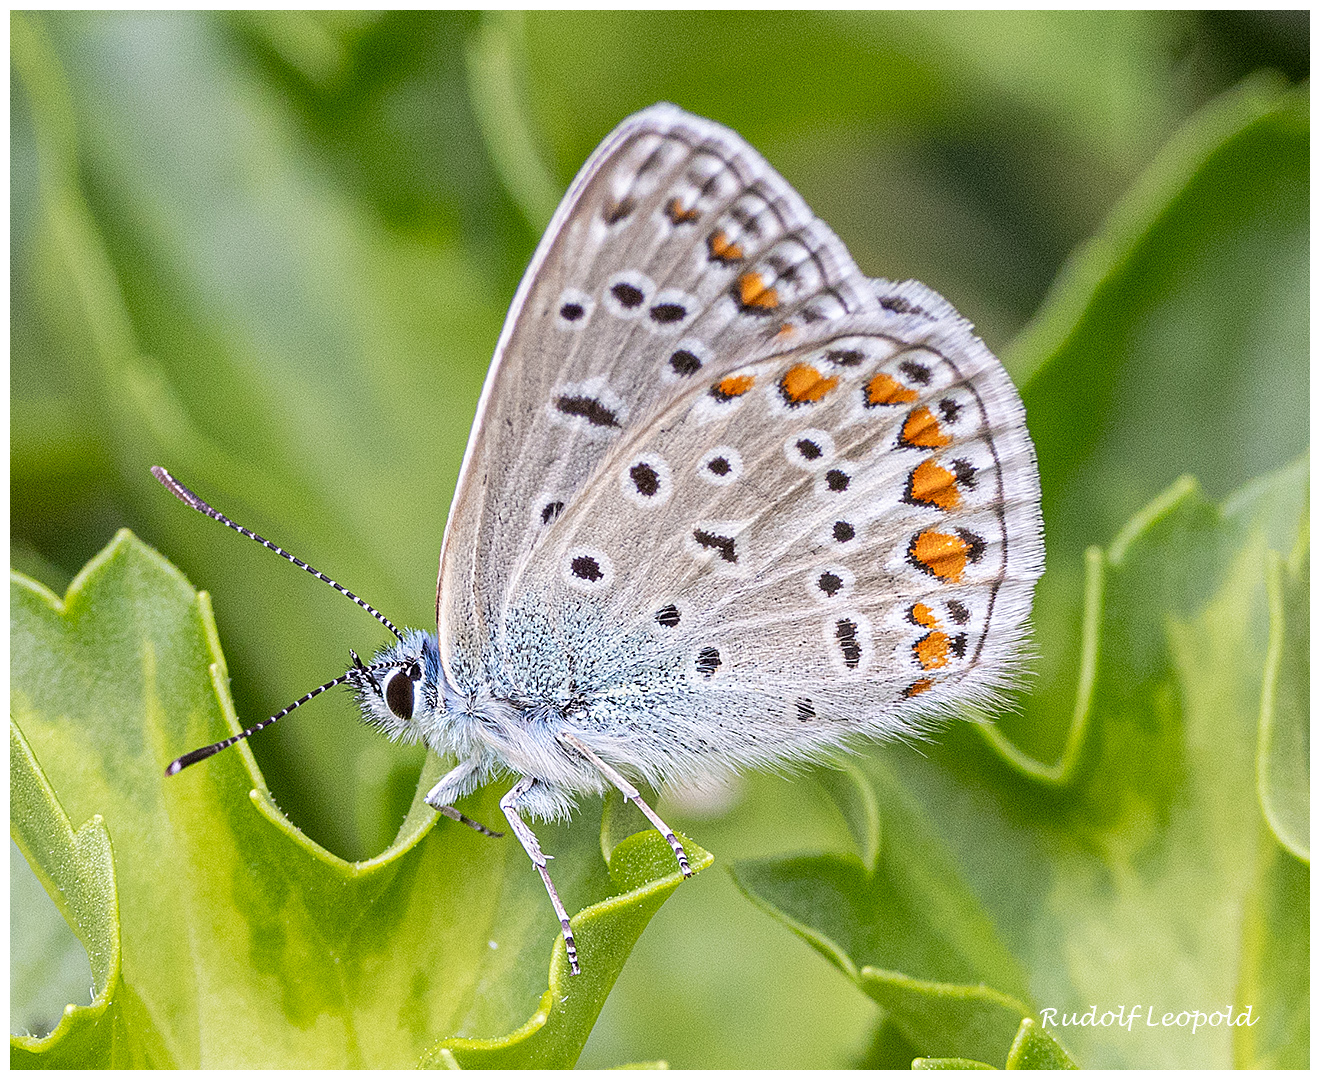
(400, 693)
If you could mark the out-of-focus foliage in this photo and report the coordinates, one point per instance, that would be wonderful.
(272, 251)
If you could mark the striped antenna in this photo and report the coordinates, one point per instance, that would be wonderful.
(186, 496)
(194, 756)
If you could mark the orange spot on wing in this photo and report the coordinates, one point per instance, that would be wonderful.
(918, 687)
(678, 215)
(722, 249)
(785, 330)
(940, 554)
(934, 485)
(886, 390)
(803, 383)
(932, 651)
(923, 616)
(733, 386)
(922, 429)
(754, 293)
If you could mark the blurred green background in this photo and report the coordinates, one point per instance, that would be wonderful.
(273, 252)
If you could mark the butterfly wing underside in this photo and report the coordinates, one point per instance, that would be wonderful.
(676, 249)
(720, 478)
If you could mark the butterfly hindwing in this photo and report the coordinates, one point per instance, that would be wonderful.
(852, 538)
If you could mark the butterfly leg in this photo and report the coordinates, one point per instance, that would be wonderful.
(442, 796)
(632, 795)
(509, 804)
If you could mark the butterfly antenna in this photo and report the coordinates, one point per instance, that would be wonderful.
(186, 496)
(194, 756)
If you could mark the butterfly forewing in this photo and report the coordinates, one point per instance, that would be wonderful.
(677, 252)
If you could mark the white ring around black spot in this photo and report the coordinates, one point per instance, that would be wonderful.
(837, 481)
(627, 295)
(830, 584)
(721, 466)
(671, 311)
(590, 408)
(720, 545)
(708, 661)
(843, 531)
(810, 449)
(587, 570)
(547, 508)
(573, 309)
(848, 641)
(685, 361)
(645, 481)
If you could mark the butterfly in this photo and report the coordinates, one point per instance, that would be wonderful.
(727, 503)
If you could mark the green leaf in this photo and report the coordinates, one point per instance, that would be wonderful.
(227, 912)
(1036, 1048)
(605, 932)
(77, 869)
(495, 64)
(908, 933)
(48, 965)
(220, 374)
(1033, 1048)
(1275, 975)
(1283, 763)
(1131, 316)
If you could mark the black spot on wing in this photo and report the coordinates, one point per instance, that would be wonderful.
(591, 409)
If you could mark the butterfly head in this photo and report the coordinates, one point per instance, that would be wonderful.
(399, 689)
